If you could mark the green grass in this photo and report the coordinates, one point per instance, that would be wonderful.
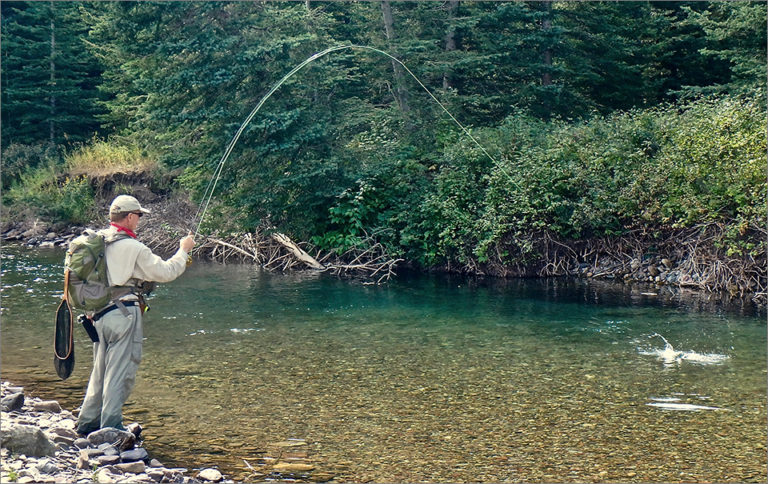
(104, 158)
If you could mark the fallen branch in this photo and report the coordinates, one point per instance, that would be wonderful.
(297, 251)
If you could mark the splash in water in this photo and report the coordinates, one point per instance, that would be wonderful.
(670, 356)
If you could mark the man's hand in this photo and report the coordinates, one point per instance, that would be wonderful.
(187, 243)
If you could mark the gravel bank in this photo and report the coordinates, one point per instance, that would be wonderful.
(40, 444)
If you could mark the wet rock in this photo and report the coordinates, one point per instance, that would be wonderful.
(27, 440)
(653, 270)
(210, 475)
(47, 406)
(12, 403)
(134, 455)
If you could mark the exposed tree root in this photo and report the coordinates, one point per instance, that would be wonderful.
(689, 257)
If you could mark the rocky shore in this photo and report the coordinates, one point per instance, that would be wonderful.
(40, 444)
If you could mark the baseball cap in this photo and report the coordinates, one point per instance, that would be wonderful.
(126, 203)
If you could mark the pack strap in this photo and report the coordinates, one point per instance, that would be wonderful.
(112, 307)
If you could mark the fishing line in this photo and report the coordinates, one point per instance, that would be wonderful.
(211, 188)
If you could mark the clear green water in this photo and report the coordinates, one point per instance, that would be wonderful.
(425, 379)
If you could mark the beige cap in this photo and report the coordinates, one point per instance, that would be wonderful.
(126, 203)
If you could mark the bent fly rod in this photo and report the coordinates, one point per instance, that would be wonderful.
(211, 188)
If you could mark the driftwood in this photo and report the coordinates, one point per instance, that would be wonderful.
(296, 251)
(277, 252)
(368, 260)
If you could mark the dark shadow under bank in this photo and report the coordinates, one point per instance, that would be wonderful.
(608, 293)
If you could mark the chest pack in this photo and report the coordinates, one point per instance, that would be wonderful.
(86, 264)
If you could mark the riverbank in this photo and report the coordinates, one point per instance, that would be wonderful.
(684, 261)
(689, 259)
(40, 444)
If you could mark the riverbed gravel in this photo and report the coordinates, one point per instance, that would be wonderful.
(40, 444)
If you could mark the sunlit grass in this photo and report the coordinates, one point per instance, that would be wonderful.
(103, 158)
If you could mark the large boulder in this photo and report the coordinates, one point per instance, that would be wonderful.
(27, 440)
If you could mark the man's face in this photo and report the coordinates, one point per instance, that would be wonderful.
(133, 220)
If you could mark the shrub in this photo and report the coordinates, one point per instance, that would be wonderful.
(53, 196)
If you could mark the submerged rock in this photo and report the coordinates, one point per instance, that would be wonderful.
(134, 455)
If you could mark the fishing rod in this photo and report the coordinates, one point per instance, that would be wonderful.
(210, 189)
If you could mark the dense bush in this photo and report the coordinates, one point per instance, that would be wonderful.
(52, 196)
(675, 166)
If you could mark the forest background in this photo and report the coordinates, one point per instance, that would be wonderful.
(604, 120)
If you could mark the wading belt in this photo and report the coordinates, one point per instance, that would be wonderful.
(118, 305)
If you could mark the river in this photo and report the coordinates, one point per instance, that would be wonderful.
(427, 378)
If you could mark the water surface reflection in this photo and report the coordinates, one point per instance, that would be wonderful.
(425, 379)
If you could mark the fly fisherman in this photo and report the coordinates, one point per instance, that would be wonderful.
(131, 265)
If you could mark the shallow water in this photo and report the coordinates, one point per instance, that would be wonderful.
(425, 379)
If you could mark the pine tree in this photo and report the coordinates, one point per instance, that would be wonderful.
(49, 79)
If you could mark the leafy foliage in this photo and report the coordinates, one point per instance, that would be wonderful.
(599, 116)
(54, 196)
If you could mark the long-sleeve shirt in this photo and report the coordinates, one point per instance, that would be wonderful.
(130, 259)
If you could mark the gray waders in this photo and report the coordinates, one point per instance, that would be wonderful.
(116, 359)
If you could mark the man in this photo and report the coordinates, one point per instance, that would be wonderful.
(117, 354)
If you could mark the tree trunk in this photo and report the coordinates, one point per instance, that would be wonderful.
(401, 95)
(546, 25)
(52, 86)
(450, 42)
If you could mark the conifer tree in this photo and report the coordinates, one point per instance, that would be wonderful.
(49, 79)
